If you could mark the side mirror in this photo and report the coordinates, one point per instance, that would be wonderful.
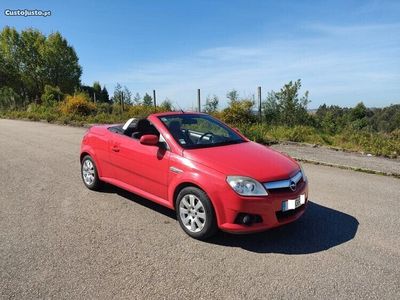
(149, 139)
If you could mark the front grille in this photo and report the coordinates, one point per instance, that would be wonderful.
(283, 186)
(286, 190)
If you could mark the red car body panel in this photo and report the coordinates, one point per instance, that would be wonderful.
(145, 170)
(246, 159)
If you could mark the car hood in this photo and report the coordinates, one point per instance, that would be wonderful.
(246, 159)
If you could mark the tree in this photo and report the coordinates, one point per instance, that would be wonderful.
(104, 97)
(358, 112)
(147, 100)
(61, 63)
(293, 109)
(285, 107)
(9, 99)
(127, 96)
(118, 94)
(271, 109)
(29, 60)
(96, 91)
(10, 61)
(166, 105)
(137, 99)
(33, 66)
(88, 90)
(122, 95)
(51, 95)
(211, 105)
(232, 95)
(359, 117)
(386, 119)
(331, 119)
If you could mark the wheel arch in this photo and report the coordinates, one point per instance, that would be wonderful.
(87, 151)
(183, 185)
(188, 183)
(83, 154)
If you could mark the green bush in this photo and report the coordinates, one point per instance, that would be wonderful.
(9, 99)
(257, 132)
(239, 111)
(104, 108)
(266, 134)
(51, 95)
(383, 144)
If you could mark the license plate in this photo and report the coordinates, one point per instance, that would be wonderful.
(293, 203)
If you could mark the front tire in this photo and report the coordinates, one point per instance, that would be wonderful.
(195, 213)
(89, 174)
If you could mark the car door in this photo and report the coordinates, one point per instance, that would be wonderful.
(140, 166)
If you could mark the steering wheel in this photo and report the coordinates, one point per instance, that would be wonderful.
(206, 134)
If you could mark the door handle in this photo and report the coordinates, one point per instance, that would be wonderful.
(115, 149)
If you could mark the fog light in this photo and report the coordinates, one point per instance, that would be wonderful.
(247, 219)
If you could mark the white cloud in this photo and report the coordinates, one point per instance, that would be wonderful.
(337, 64)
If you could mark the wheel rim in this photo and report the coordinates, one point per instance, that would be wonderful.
(192, 213)
(88, 172)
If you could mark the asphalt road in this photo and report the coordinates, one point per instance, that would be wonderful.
(60, 240)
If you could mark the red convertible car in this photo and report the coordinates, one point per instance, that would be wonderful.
(209, 173)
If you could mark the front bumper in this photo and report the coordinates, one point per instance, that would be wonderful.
(268, 208)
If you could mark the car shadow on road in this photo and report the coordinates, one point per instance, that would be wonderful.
(108, 188)
(320, 228)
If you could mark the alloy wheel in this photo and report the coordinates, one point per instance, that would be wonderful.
(192, 213)
(88, 172)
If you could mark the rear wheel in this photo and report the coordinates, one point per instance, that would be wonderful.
(195, 213)
(89, 174)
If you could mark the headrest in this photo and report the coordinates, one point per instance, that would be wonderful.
(174, 126)
(142, 125)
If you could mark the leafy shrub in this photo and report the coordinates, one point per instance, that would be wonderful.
(258, 133)
(286, 107)
(51, 95)
(64, 119)
(375, 143)
(303, 134)
(79, 105)
(140, 110)
(239, 111)
(9, 99)
(33, 116)
(166, 105)
(104, 108)
(103, 118)
(266, 134)
(49, 117)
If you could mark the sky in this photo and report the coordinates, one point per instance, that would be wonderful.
(344, 52)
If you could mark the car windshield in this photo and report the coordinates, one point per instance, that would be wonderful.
(194, 131)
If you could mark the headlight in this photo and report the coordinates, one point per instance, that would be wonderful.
(246, 186)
